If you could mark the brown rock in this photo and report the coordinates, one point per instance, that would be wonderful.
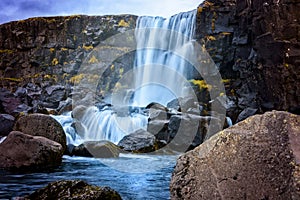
(258, 158)
(20, 150)
(42, 125)
(80, 191)
(97, 149)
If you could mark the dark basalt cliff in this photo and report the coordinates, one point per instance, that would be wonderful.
(254, 43)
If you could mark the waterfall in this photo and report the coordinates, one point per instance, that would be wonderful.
(161, 68)
(162, 45)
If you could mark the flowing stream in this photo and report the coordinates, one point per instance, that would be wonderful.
(161, 47)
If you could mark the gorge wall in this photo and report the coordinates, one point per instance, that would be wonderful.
(254, 43)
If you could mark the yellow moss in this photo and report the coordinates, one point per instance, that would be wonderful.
(221, 94)
(52, 50)
(12, 79)
(93, 60)
(226, 80)
(64, 49)
(201, 84)
(225, 33)
(74, 38)
(65, 63)
(200, 9)
(121, 71)
(213, 26)
(8, 51)
(54, 62)
(87, 48)
(36, 75)
(208, 4)
(112, 67)
(123, 23)
(74, 16)
(47, 76)
(77, 79)
(286, 65)
(211, 38)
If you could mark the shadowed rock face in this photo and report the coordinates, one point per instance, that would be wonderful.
(74, 189)
(22, 151)
(256, 46)
(254, 159)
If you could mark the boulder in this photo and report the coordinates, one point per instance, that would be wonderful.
(78, 112)
(22, 151)
(41, 125)
(139, 141)
(6, 124)
(97, 149)
(73, 189)
(258, 158)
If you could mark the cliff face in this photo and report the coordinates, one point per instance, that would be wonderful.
(52, 49)
(256, 45)
(40, 58)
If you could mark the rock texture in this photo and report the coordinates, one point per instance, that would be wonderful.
(258, 158)
(74, 189)
(97, 149)
(256, 45)
(140, 141)
(6, 124)
(42, 125)
(22, 151)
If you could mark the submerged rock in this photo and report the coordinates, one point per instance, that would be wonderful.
(42, 125)
(97, 149)
(258, 158)
(73, 189)
(22, 151)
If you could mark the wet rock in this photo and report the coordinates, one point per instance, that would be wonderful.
(257, 158)
(22, 151)
(97, 149)
(41, 125)
(78, 112)
(139, 141)
(247, 112)
(55, 93)
(8, 101)
(73, 189)
(6, 124)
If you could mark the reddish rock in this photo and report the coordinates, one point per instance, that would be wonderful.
(258, 158)
(42, 125)
(22, 151)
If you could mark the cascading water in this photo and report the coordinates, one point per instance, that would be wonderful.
(162, 45)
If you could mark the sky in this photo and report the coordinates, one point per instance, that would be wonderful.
(12, 10)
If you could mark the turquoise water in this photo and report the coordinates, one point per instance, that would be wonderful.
(134, 177)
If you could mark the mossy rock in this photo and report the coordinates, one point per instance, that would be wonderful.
(74, 189)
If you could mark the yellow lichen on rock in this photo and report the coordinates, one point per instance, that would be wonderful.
(123, 23)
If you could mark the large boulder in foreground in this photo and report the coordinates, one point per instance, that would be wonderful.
(42, 125)
(22, 151)
(74, 189)
(258, 158)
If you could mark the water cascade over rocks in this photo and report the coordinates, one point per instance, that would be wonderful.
(162, 45)
(160, 77)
